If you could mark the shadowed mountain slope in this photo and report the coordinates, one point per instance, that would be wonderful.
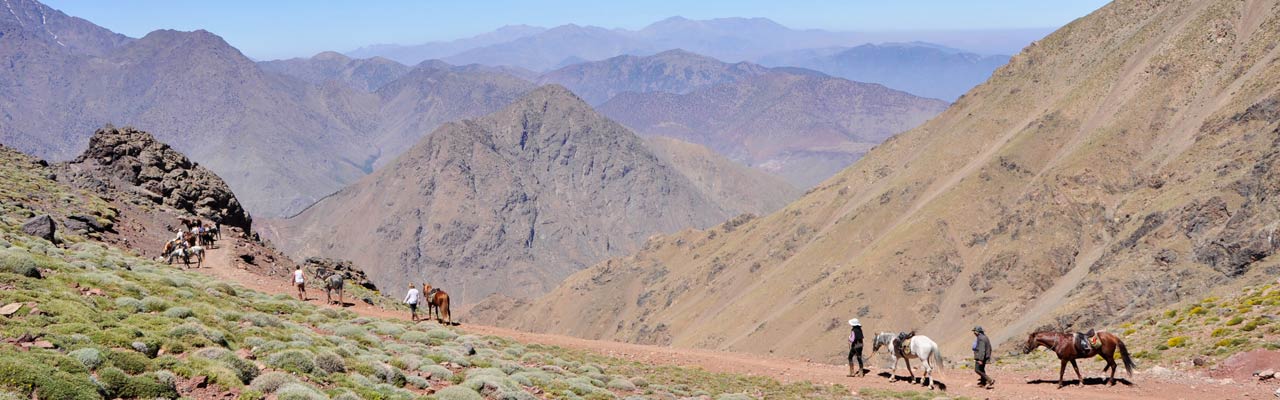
(508, 203)
(1125, 162)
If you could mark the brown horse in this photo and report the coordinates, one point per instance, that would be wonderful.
(1064, 345)
(437, 301)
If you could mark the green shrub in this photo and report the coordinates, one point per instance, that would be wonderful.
(18, 262)
(436, 371)
(621, 384)
(271, 381)
(1249, 327)
(1176, 341)
(129, 304)
(179, 313)
(90, 357)
(1198, 310)
(129, 362)
(29, 376)
(299, 391)
(293, 360)
(1236, 320)
(118, 384)
(154, 304)
(389, 375)
(245, 370)
(442, 334)
(416, 337)
(1230, 342)
(457, 393)
(417, 381)
(331, 363)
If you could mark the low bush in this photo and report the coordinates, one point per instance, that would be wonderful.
(621, 384)
(436, 371)
(298, 391)
(179, 313)
(90, 357)
(132, 363)
(293, 360)
(331, 363)
(269, 382)
(1176, 341)
(457, 393)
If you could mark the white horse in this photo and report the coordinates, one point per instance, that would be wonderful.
(920, 347)
(185, 253)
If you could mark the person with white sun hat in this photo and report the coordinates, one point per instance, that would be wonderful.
(855, 348)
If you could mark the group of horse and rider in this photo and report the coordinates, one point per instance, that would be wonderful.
(191, 241)
(1068, 346)
(437, 300)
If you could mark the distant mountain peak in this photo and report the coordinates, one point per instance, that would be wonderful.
(330, 56)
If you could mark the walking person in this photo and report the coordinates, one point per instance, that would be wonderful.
(412, 300)
(301, 283)
(981, 357)
(855, 348)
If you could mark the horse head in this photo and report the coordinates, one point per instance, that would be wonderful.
(882, 339)
(1032, 344)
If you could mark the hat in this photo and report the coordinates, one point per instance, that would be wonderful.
(978, 329)
(854, 322)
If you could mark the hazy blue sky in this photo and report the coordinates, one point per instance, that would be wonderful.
(289, 28)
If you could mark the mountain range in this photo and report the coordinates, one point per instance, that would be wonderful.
(801, 125)
(1126, 162)
(515, 201)
(287, 133)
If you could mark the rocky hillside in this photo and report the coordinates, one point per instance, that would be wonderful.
(731, 185)
(511, 203)
(126, 159)
(84, 320)
(672, 71)
(1123, 163)
(434, 93)
(801, 125)
(364, 74)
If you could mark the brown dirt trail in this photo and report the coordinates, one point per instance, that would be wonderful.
(1013, 384)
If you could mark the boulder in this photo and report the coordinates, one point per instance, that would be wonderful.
(40, 226)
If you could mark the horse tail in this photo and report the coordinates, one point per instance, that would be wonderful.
(937, 358)
(1124, 355)
(443, 299)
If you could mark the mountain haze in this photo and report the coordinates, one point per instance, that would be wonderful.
(801, 125)
(672, 71)
(917, 68)
(508, 203)
(364, 74)
(1125, 162)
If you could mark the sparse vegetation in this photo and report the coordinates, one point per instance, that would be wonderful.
(154, 326)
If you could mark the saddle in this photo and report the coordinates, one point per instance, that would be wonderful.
(904, 342)
(1086, 341)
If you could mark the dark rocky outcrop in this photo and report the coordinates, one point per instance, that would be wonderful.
(321, 266)
(133, 160)
(41, 226)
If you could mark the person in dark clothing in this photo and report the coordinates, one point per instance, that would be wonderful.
(982, 356)
(855, 348)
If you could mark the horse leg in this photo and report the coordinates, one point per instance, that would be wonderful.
(1077, 368)
(928, 372)
(1062, 370)
(893, 374)
(909, 371)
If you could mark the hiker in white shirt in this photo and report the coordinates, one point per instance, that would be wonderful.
(412, 300)
(301, 283)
